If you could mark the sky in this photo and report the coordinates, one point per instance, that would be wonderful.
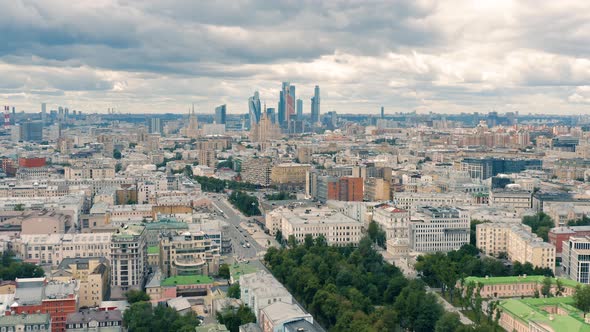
(159, 56)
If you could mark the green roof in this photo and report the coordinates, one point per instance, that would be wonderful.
(153, 250)
(187, 280)
(531, 310)
(517, 279)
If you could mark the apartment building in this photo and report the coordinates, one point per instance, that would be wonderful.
(377, 189)
(575, 259)
(439, 229)
(516, 200)
(259, 290)
(188, 253)
(129, 262)
(90, 171)
(93, 275)
(289, 174)
(53, 248)
(337, 228)
(256, 170)
(517, 241)
(410, 201)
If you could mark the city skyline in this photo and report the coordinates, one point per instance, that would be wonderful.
(405, 55)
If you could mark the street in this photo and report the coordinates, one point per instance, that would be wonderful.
(239, 236)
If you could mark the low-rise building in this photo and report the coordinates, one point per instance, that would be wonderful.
(95, 321)
(517, 200)
(259, 290)
(337, 228)
(439, 229)
(546, 315)
(517, 241)
(275, 316)
(25, 322)
(517, 286)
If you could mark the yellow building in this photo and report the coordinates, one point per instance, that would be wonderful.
(517, 241)
(91, 273)
(289, 174)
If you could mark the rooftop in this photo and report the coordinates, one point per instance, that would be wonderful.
(100, 316)
(153, 250)
(187, 280)
(518, 279)
(532, 310)
(11, 320)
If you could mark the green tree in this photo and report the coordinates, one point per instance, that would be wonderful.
(559, 289)
(135, 295)
(12, 269)
(117, 154)
(233, 318)
(19, 207)
(449, 322)
(234, 290)
(376, 234)
(223, 271)
(540, 224)
(582, 298)
(118, 167)
(546, 288)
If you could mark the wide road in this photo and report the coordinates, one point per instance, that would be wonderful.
(237, 234)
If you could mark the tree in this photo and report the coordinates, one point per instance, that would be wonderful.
(223, 271)
(546, 288)
(582, 298)
(234, 290)
(279, 237)
(376, 234)
(117, 154)
(449, 322)
(559, 288)
(134, 296)
(12, 269)
(233, 318)
(540, 224)
(118, 167)
(19, 207)
(141, 316)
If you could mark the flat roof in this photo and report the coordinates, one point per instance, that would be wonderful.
(519, 279)
(187, 280)
(153, 250)
(531, 310)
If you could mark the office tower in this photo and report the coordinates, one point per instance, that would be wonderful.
(155, 125)
(220, 114)
(254, 108)
(382, 112)
(271, 114)
(293, 100)
(315, 106)
(299, 109)
(31, 131)
(43, 113)
(60, 113)
(13, 117)
(66, 112)
(286, 104)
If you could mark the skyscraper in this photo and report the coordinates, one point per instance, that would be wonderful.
(382, 112)
(286, 104)
(43, 113)
(254, 108)
(32, 131)
(155, 125)
(315, 106)
(299, 109)
(220, 114)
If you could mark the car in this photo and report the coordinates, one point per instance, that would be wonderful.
(243, 246)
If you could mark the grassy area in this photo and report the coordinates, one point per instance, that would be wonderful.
(187, 280)
(153, 250)
(237, 270)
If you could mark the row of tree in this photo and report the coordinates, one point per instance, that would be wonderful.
(210, 184)
(354, 289)
(280, 196)
(247, 204)
(444, 270)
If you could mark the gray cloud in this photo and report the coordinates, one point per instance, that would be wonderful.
(427, 55)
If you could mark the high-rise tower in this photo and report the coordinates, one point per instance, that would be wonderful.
(254, 108)
(220, 114)
(315, 106)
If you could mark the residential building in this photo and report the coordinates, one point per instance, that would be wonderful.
(575, 259)
(517, 242)
(259, 290)
(256, 170)
(289, 174)
(38, 295)
(439, 229)
(95, 321)
(25, 322)
(188, 253)
(93, 274)
(128, 259)
(275, 316)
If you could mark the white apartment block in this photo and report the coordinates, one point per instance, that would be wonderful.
(337, 228)
(259, 290)
(517, 241)
(576, 259)
(411, 201)
(53, 248)
(439, 229)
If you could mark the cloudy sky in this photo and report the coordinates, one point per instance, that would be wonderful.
(447, 56)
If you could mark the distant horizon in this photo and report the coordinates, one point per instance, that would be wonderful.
(451, 57)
